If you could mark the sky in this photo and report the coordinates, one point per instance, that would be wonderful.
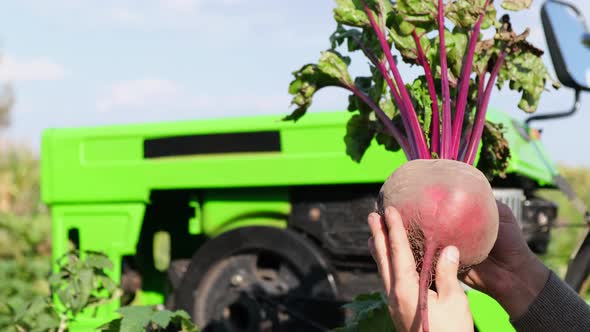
(83, 62)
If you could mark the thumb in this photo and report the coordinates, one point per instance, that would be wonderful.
(447, 284)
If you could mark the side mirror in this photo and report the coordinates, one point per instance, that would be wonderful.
(568, 42)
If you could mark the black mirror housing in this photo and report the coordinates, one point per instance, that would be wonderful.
(568, 42)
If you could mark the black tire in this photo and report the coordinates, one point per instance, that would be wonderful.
(579, 267)
(259, 279)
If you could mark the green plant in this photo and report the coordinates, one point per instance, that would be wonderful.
(19, 180)
(460, 70)
(25, 259)
(80, 284)
(144, 318)
(570, 227)
(441, 114)
(370, 312)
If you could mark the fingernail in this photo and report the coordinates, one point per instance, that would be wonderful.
(452, 254)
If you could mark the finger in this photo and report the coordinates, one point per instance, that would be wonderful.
(371, 245)
(380, 249)
(475, 278)
(447, 284)
(403, 264)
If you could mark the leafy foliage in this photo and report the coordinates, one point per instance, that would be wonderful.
(359, 134)
(27, 286)
(411, 27)
(25, 252)
(571, 227)
(516, 4)
(36, 316)
(464, 14)
(25, 246)
(19, 180)
(494, 155)
(81, 283)
(143, 318)
(524, 69)
(370, 314)
(331, 70)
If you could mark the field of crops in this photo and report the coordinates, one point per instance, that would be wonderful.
(25, 245)
(26, 280)
(569, 228)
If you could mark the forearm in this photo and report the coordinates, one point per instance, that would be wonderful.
(537, 300)
(517, 290)
(556, 308)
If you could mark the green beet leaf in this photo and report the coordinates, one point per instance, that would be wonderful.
(417, 11)
(350, 12)
(331, 70)
(359, 134)
(516, 4)
(400, 24)
(465, 13)
(495, 152)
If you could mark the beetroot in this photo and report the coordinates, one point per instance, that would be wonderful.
(442, 202)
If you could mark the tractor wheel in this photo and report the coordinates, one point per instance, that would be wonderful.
(260, 279)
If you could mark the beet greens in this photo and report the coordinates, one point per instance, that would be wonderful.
(442, 113)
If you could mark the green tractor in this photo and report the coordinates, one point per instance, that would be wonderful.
(250, 224)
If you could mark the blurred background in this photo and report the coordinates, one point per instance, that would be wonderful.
(66, 63)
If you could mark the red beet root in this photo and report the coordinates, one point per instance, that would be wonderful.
(442, 202)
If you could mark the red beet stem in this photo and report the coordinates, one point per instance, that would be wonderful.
(435, 126)
(415, 134)
(446, 130)
(480, 117)
(425, 277)
(464, 84)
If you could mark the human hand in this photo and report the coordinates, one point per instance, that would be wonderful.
(511, 274)
(448, 309)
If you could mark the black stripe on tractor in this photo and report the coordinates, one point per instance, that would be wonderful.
(262, 141)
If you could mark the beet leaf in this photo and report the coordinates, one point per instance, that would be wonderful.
(441, 112)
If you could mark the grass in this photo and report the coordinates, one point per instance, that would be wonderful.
(25, 228)
(570, 228)
(25, 257)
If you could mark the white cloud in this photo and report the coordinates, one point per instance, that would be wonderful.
(32, 69)
(137, 94)
(126, 16)
(228, 17)
(214, 22)
(165, 14)
(166, 95)
(180, 5)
